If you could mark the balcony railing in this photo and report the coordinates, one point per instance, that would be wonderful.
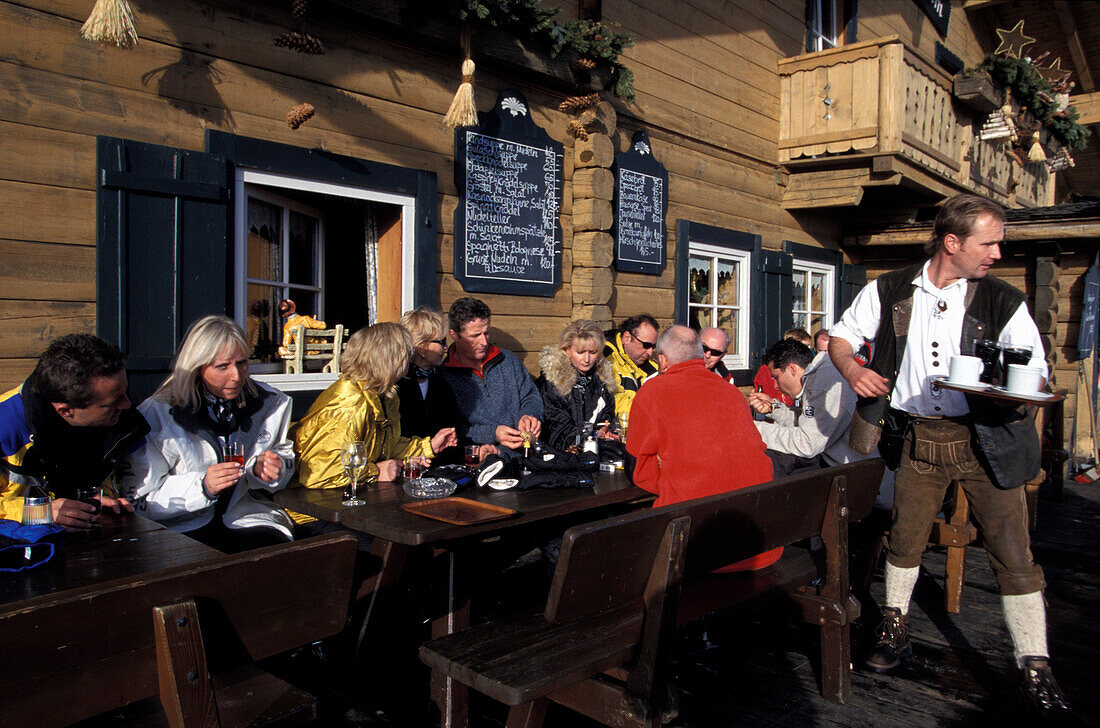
(873, 113)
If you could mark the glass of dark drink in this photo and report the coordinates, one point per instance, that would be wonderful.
(1017, 355)
(472, 455)
(412, 468)
(92, 495)
(990, 354)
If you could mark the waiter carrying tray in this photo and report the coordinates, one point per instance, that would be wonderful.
(918, 318)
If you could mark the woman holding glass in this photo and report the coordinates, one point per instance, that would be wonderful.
(427, 401)
(362, 407)
(218, 446)
(577, 387)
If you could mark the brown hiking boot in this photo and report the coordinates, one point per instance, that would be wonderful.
(1040, 690)
(891, 641)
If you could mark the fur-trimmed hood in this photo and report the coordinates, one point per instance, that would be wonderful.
(561, 373)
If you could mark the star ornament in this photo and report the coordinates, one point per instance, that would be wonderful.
(1053, 72)
(1013, 41)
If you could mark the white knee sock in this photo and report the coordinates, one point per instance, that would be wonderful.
(899, 586)
(1026, 619)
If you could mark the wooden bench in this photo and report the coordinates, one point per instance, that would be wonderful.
(320, 345)
(82, 652)
(622, 586)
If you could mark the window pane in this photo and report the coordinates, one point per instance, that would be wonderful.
(264, 327)
(817, 292)
(264, 241)
(799, 321)
(698, 318)
(817, 322)
(727, 283)
(728, 320)
(303, 237)
(699, 280)
(798, 287)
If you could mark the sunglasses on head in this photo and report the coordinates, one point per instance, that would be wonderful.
(713, 352)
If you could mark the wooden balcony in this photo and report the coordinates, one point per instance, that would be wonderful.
(877, 114)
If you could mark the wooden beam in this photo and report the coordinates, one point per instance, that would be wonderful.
(981, 4)
(1073, 40)
(1014, 232)
(1088, 106)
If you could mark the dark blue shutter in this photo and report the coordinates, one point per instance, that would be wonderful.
(162, 257)
(775, 293)
(850, 280)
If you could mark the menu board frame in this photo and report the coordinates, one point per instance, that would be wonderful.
(508, 142)
(641, 168)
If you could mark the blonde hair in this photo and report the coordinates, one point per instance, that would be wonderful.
(581, 330)
(202, 344)
(377, 357)
(425, 325)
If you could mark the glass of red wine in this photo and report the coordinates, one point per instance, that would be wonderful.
(234, 453)
(472, 455)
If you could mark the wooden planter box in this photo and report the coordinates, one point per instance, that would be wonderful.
(979, 92)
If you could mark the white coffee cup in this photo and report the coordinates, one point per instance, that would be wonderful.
(965, 370)
(1024, 379)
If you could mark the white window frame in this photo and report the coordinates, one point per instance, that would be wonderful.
(822, 38)
(288, 205)
(828, 295)
(743, 259)
(255, 178)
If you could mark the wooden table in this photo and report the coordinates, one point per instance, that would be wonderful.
(395, 531)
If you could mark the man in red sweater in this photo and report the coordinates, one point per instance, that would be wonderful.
(692, 433)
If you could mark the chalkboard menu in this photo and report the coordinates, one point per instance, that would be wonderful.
(509, 176)
(641, 203)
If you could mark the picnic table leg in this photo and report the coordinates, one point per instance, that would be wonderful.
(380, 584)
(449, 695)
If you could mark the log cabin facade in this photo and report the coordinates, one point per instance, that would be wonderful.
(145, 187)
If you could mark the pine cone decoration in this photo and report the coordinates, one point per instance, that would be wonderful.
(582, 64)
(577, 130)
(298, 8)
(301, 42)
(574, 104)
(299, 115)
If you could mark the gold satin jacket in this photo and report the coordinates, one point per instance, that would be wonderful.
(343, 413)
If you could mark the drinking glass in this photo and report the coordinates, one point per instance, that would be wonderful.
(234, 453)
(990, 354)
(471, 455)
(354, 460)
(1016, 355)
(91, 495)
(412, 468)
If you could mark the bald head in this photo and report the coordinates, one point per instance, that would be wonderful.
(678, 344)
(715, 343)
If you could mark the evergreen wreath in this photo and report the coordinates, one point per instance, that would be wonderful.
(1033, 91)
(529, 20)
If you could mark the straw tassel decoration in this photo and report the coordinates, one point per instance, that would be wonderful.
(462, 111)
(112, 23)
(1036, 154)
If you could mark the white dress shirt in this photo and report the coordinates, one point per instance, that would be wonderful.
(934, 332)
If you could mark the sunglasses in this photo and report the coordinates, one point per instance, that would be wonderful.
(647, 345)
(441, 342)
(713, 352)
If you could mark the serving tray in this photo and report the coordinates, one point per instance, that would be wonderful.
(989, 390)
(458, 511)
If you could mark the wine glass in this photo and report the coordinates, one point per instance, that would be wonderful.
(354, 459)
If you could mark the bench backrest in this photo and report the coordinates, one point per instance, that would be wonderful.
(251, 606)
(606, 565)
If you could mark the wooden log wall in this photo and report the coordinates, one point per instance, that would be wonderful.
(707, 95)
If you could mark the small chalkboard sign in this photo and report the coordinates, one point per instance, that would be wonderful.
(509, 177)
(641, 204)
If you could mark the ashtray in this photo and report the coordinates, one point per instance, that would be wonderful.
(430, 487)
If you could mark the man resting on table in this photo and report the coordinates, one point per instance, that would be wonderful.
(495, 394)
(68, 427)
(692, 434)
